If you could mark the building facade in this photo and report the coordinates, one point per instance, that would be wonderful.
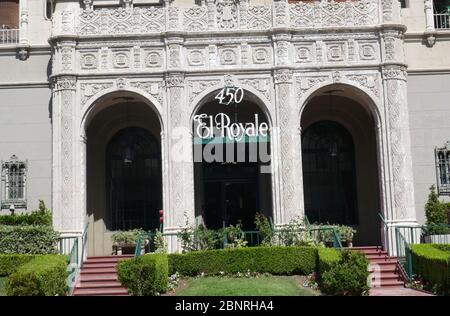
(101, 101)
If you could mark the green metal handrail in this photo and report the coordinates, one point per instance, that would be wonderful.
(386, 234)
(404, 256)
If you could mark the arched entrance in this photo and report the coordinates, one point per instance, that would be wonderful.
(232, 167)
(133, 176)
(123, 168)
(329, 169)
(340, 162)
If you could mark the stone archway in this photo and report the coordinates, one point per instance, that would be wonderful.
(232, 173)
(348, 173)
(106, 127)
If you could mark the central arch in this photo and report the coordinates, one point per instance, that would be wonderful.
(232, 176)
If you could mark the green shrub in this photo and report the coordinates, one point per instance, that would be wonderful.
(128, 237)
(274, 260)
(348, 276)
(42, 276)
(30, 239)
(432, 264)
(435, 210)
(326, 258)
(10, 263)
(262, 224)
(145, 275)
(42, 216)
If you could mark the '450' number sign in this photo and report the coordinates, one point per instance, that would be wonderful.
(230, 95)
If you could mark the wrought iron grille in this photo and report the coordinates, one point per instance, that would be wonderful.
(14, 177)
(443, 169)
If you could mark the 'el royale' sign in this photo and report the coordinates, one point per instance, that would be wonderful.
(219, 125)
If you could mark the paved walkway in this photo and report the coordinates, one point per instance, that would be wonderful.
(396, 291)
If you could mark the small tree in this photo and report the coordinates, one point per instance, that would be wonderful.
(435, 210)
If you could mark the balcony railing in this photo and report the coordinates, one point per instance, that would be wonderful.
(9, 36)
(442, 21)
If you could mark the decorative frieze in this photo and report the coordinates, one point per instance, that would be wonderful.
(88, 90)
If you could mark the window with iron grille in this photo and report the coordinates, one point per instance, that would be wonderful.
(443, 169)
(14, 177)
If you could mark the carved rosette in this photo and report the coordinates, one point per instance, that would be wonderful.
(402, 172)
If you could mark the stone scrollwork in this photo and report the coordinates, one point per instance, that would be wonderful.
(369, 81)
(153, 88)
(175, 80)
(88, 90)
(198, 86)
(227, 14)
(65, 83)
(283, 76)
(260, 84)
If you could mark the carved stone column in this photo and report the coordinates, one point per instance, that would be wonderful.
(68, 213)
(289, 151)
(180, 160)
(400, 144)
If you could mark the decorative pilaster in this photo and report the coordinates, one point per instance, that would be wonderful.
(289, 152)
(281, 13)
(400, 149)
(68, 215)
(180, 158)
(430, 35)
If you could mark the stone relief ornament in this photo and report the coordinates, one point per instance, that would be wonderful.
(153, 88)
(88, 90)
(195, 19)
(259, 17)
(260, 84)
(153, 59)
(229, 81)
(228, 56)
(65, 83)
(336, 76)
(66, 58)
(198, 86)
(226, 14)
(121, 83)
(368, 81)
(283, 76)
(88, 61)
(175, 80)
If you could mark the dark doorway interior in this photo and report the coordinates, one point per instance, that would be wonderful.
(231, 194)
(329, 174)
(133, 173)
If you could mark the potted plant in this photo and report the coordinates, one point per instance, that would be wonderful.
(124, 242)
(346, 233)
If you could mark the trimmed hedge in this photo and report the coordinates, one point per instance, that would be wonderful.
(326, 258)
(273, 260)
(29, 239)
(42, 216)
(44, 275)
(145, 275)
(348, 276)
(10, 263)
(432, 263)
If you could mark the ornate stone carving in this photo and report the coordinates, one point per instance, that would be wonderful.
(198, 86)
(65, 83)
(195, 19)
(260, 84)
(66, 58)
(89, 61)
(228, 56)
(229, 80)
(175, 80)
(259, 17)
(151, 87)
(336, 76)
(283, 76)
(153, 59)
(226, 14)
(121, 83)
(369, 81)
(282, 51)
(88, 90)
(307, 82)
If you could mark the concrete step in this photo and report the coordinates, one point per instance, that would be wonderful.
(100, 291)
(98, 277)
(98, 270)
(98, 284)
